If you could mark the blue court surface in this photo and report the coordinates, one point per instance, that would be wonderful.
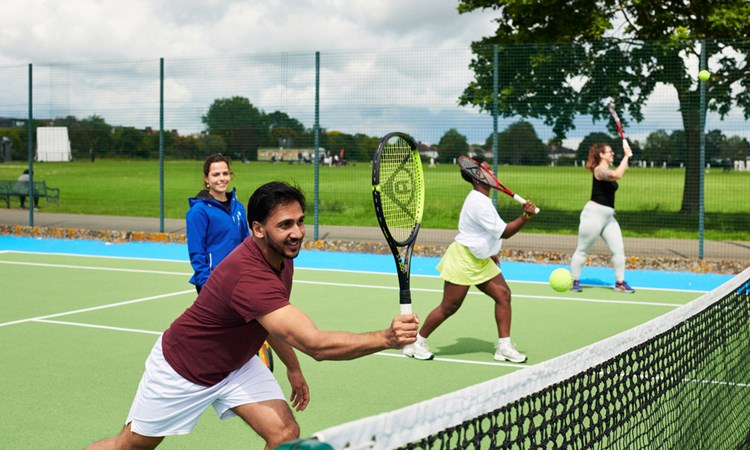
(513, 271)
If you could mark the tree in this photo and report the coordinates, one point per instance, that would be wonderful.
(366, 146)
(452, 145)
(185, 147)
(209, 144)
(519, 145)
(91, 136)
(241, 125)
(582, 153)
(336, 141)
(18, 152)
(284, 130)
(734, 148)
(555, 66)
(713, 141)
(130, 142)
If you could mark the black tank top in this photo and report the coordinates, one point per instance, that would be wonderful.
(603, 192)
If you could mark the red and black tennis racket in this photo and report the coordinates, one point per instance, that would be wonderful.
(616, 118)
(484, 175)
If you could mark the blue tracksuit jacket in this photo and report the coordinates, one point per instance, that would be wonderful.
(213, 232)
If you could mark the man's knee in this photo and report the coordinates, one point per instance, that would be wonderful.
(287, 433)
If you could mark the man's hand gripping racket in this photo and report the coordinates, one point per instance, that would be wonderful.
(484, 175)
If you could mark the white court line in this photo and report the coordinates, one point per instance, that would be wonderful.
(361, 286)
(81, 255)
(101, 327)
(463, 361)
(96, 308)
(112, 269)
(133, 258)
(536, 297)
(133, 330)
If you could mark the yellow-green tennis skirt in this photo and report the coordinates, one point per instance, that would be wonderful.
(459, 266)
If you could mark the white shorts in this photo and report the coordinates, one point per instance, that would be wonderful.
(167, 404)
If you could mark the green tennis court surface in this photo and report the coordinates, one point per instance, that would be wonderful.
(76, 330)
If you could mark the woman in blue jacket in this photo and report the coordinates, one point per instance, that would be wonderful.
(216, 220)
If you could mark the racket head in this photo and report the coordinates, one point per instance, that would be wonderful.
(480, 173)
(616, 118)
(398, 189)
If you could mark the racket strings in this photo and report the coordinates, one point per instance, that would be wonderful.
(477, 172)
(401, 189)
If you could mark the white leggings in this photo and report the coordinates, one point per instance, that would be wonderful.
(598, 220)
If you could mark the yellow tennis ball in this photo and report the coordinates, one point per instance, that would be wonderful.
(704, 75)
(561, 279)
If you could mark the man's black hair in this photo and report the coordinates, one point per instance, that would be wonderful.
(267, 197)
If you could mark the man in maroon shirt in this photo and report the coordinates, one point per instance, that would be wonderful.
(207, 356)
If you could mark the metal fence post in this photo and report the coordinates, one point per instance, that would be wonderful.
(316, 145)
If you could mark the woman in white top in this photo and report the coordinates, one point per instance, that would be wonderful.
(471, 260)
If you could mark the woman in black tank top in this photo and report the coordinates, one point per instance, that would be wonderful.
(598, 216)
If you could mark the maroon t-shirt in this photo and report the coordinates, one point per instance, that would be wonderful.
(219, 333)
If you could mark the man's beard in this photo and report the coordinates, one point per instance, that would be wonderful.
(282, 249)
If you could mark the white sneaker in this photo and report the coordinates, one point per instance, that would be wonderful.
(417, 351)
(509, 353)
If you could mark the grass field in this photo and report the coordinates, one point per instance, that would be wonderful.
(648, 201)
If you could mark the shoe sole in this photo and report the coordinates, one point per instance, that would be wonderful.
(623, 291)
(418, 357)
(421, 358)
(504, 358)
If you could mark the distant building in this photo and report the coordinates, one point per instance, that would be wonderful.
(558, 152)
(10, 122)
(428, 152)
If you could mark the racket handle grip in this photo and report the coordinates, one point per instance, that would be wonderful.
(626, 147)
(522, 200)
(404, 300)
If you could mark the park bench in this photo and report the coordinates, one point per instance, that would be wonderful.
(17, 189)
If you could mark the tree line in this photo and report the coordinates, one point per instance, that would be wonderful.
(233, 126)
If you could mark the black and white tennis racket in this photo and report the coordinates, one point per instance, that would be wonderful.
(484, 175)
(398, 195)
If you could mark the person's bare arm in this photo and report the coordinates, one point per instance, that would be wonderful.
(300, 396)
(293, 327)
(607, 174)
(515, 226)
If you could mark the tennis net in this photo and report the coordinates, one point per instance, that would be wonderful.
(676, 382)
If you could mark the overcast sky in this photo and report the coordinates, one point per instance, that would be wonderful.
(45, 31)
(49, 32)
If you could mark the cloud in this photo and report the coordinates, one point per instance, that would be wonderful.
(40, 31)
(385, 64)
